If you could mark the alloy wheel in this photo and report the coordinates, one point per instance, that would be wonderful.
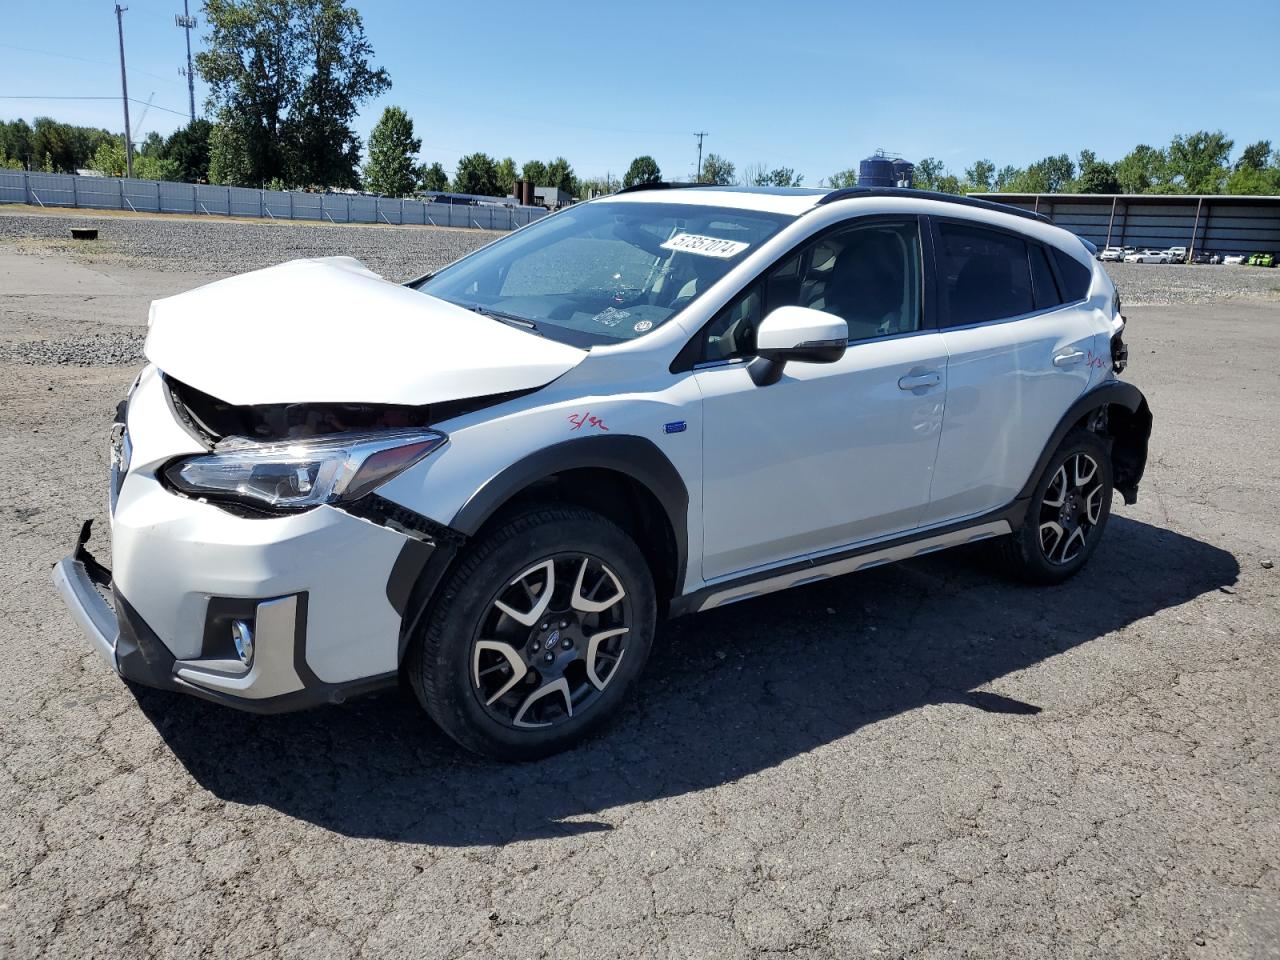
(1071, 508)
(550, 642)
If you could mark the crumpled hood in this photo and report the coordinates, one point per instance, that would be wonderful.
(331, 331)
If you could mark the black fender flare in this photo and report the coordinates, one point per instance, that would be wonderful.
(636, 457)
(421, 566)
(1137, 433)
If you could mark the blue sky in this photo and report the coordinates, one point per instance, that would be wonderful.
(814, 87)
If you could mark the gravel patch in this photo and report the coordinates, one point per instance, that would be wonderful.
(179, 244)
(105, 349)
(1193, 283)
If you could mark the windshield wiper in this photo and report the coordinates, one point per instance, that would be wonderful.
(508, 318)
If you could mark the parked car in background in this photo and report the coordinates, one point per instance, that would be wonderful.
(1234, 258)
(1147, 256)
(1177, 254)
(1262, 260)
(660, 402)
(1207, 258)
(1112, 255)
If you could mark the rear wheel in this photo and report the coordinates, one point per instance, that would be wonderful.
(538, 634)
(1067, 514)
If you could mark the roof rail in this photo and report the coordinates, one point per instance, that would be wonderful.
(846, 193)
(661, 185)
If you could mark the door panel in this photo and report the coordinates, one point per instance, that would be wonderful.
(830, 455)
(1005, 396)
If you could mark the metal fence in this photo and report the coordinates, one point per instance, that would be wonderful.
(156, 196)
(1209, 223)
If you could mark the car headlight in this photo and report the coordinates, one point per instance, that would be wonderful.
(298, 475)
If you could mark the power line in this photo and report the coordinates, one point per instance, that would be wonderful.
(69, 56)
(154, 106)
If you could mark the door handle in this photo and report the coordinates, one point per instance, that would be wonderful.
(917, 381)
(1068, 359)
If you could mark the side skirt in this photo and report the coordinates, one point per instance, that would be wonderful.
(796, 574)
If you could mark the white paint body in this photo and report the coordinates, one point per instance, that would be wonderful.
(833, 456)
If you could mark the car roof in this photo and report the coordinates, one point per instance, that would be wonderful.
(794, 200)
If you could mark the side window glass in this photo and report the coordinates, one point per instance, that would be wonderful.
(983, 274)
(1076, 277)
(1043, 285)
(869, 274)
(732, 332)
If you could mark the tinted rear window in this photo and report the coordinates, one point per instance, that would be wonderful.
(1042, 282)
(1075, 276)
(984, 274)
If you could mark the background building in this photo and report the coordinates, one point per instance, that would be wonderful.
(1211, 224)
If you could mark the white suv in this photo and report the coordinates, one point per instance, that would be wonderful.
(494, 481)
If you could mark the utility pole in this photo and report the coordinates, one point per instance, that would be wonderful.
(697, 175)
(187, 22)
(124, 94)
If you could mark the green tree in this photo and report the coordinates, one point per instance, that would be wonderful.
(506, 169)
(927, 173)
(643, 169)
(15, 141)
(433, 179)
(230, 154)
(108, 159)
(981, 177)
(188, 148)
(392, 149)
(716, 169)
(293, 74)
(1005, 177)
(597, 187)
(1255, 156)
(779, 177)
(535, 171)
(1052, 174)
(151, 166)
(1252, 181)
(843, 178)
(477, 173)
(1197, 162)
(1096, 176)
(560, 175)
(1141, 170)
(949, 183)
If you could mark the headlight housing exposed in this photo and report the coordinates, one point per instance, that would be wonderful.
(292, 475)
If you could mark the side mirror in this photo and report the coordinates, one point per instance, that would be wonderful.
(796, 334)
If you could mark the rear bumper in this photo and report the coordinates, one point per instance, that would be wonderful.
(124, 640)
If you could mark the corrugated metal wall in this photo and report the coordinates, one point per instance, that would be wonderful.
(1218, 224)
(153, 196)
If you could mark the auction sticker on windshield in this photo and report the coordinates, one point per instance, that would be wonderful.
(705, 246)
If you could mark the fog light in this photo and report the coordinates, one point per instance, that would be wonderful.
(242, 637)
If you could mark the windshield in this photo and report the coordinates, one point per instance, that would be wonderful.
(603, 272)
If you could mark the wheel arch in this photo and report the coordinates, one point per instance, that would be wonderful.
(625, 478)
(1117, 411)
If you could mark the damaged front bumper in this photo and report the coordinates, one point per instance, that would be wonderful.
(265, 614)
(276, 680)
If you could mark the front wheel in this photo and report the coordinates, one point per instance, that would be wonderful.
(1067, 514)
(538, 634)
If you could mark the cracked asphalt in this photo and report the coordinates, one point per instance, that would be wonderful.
(922, 760)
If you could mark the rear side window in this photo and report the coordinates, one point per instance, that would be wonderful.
(1075, 276)
(1043, 285)
(984, 274)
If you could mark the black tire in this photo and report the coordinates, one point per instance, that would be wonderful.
(1034, 554)
(445, 660)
